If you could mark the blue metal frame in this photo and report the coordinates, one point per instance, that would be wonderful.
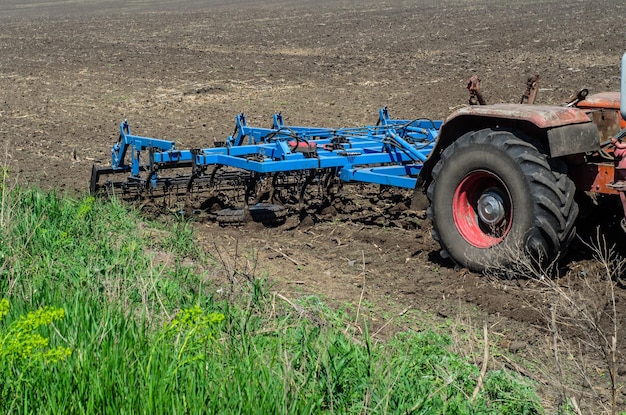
(389, 153)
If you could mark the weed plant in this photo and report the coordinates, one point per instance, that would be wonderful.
(136, 331)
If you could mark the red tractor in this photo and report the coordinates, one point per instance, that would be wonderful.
(507, 177)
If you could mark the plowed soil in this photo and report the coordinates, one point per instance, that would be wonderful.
(71, 71)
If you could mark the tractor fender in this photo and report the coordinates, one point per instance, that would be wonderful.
(559, 130)
(543, 116)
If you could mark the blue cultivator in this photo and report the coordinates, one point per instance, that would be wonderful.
(275, 165)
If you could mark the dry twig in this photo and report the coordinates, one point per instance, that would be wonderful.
(483, 369)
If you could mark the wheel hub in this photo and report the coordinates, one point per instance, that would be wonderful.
(490, 208)
(482, 209)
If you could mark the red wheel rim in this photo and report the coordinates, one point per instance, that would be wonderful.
(482, 209)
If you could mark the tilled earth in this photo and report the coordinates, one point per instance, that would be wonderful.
(71, 71)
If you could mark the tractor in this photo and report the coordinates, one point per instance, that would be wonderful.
(506, 178)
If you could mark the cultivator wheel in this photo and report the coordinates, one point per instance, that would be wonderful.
(494, 194)
(265, 213)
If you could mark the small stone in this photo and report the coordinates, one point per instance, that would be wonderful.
(517, 346)
(306, 222)
(398, 207)
(329, 211)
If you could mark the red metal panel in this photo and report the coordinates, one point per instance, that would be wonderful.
(604, 100)
(601, 100)
(594, 177)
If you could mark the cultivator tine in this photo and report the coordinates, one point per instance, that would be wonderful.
(532, 86)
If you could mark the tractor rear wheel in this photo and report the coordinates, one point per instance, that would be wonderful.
(495, 199)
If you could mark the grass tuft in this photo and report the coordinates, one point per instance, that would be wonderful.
(126, 323)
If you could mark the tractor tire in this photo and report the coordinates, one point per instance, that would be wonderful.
(496, 200)
(265, 213)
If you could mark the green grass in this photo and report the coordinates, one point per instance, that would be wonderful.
(143, 330)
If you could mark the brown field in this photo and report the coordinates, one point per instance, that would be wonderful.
(71, 71)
